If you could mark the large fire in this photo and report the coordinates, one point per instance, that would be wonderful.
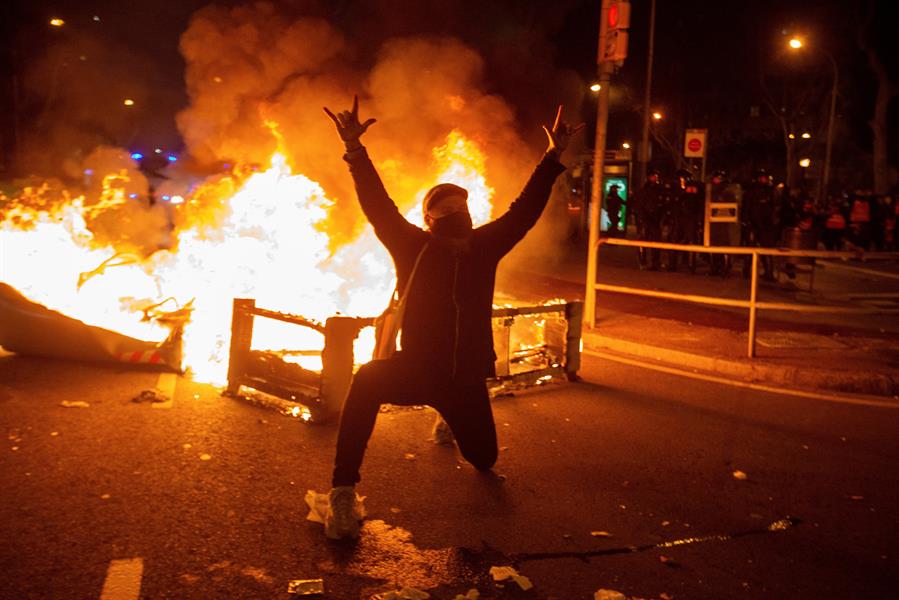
(258, 236)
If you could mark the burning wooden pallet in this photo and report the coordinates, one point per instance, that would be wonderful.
(553, 353)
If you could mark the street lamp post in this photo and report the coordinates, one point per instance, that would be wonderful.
(796, 44)
(643, 154)
(825, 178)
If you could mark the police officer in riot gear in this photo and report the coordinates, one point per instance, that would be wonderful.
(648, 218)
(672, 202)
(719, 264)
(692, 203)
(758, 220)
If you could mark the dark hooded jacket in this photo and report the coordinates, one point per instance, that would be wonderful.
(447, 325)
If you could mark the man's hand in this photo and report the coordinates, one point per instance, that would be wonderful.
(348, 125)
(560, 134)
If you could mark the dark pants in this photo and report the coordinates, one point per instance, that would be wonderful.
(396, 380)
(650, 230)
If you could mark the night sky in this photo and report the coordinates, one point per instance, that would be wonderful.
(708, 61)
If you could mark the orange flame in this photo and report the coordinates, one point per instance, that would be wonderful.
(261, 236)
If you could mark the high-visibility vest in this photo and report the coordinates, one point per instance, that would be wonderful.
(836, 221)
(861, 212)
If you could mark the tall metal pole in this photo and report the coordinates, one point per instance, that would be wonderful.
(643, 155)
(825, 177)
(604, 69)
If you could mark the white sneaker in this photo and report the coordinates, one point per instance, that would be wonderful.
(343, 517)
(441, 433)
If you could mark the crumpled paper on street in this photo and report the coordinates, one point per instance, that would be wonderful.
(506, 573)
(318, 506)
(74, 404)
(472, 594)
(154, 396)
(608, 595)
(407, 593)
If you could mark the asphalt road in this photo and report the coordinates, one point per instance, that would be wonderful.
(205, 499)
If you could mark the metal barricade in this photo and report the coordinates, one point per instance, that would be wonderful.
(752, 303)
(557, 354)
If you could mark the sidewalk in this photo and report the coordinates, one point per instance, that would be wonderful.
(856, 354)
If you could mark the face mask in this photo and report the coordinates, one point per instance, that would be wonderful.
(455, 225)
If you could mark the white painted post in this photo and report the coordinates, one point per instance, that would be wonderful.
(753, 294)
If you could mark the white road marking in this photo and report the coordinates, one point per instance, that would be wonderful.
(861, 401)
(166, 385)
(123, 579)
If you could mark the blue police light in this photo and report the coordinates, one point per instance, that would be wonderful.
(166, 197)
(136, 155)
(172, 158)
(132, 196)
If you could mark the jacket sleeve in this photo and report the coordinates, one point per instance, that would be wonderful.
(390, 226)
(503, 233)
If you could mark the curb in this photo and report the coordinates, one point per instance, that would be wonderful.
(871, 383)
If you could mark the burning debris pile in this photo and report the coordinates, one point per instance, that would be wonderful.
(281, 224)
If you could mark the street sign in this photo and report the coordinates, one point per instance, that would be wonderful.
(695, 142)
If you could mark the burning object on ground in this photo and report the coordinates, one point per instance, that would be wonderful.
(550, 348)
(31, 329)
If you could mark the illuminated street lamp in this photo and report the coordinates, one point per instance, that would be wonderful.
(806, 136)
(57, 22)
(796, 44)
(626, 145)
(792, 136)
(128, 102)
(657, 116)
(595, 87)
(805, 162)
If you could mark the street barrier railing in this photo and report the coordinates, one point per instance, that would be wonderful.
(753, 304)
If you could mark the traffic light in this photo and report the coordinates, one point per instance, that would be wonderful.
(618, 20)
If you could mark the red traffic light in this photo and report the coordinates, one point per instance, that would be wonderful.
(619, 15)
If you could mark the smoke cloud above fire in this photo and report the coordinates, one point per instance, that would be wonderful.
(252, 68)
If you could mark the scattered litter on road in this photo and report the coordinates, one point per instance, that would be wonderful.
(306, 587)
(74, 404)
(54, 433)
(472, 594)
(205, 457)
(666, 523)
(407, 593)
(395, 510)
(153, 396)
(668, 561)
(187, 446)
(856, 497)
(500, 574)
(14, 448)
(664, 596)
(603, 534)
(740, 475)
(105, 497)
(603, 594)
(258, 574)
(409, 456)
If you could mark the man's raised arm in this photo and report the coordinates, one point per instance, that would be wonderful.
(379, 209)
(507, 230)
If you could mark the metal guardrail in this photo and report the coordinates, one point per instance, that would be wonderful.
(753, 304)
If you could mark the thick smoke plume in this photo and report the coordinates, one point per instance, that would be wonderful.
(251, 67)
